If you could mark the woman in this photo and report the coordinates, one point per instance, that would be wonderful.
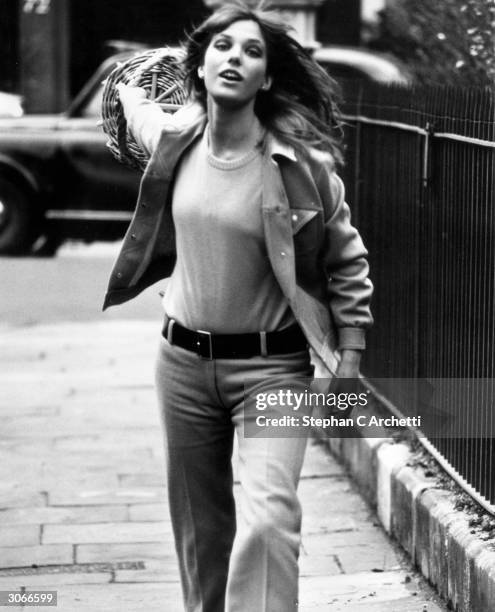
(240, 203)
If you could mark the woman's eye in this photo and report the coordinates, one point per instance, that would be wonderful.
(254, 52)
(221, 45)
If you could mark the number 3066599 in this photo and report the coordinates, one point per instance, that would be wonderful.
(28, 598)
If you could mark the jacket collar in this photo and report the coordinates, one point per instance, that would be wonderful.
(275, 147)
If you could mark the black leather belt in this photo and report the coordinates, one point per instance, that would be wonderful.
(232, 346)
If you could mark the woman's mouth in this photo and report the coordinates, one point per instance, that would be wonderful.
(230, 75)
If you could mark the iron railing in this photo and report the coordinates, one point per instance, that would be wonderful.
(420, 175)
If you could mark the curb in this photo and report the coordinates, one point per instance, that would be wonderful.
(422, 519)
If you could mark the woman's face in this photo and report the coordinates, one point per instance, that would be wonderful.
(235, 65)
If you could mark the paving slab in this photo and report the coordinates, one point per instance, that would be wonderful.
(62, 515)
(132, 552)
(27, 556)
(83, 501)
(97, 496)
(107, 533)
(20, 535)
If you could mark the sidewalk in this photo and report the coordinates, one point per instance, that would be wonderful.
(82, 494)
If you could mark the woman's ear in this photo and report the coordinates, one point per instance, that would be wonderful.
(267, 84)
(201, 72)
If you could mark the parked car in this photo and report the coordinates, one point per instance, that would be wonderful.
(355, 63)
(58, 179)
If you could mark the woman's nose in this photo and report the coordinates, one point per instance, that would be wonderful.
(235, 56)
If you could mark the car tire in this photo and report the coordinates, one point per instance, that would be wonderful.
(17, 231)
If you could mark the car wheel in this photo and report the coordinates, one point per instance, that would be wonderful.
(16, 219)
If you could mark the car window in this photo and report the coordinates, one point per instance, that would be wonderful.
(92, 108)
(341, 71)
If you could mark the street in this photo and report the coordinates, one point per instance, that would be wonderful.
(67, 287)
(83, 508)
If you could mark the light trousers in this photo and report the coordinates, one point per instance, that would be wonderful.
(224, 567)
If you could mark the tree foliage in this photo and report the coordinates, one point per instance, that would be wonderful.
(447, 41)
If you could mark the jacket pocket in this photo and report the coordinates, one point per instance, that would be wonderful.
(299, 218)
(307, 230)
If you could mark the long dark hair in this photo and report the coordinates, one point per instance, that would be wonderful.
(300, 107)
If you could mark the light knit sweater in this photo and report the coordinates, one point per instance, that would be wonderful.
(223, 281)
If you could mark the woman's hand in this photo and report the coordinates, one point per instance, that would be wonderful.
(349, 364)
(130, 97)
(347, 375)
(130, 93)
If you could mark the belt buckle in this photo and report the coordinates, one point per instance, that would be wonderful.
(201, 345)
(168, 329)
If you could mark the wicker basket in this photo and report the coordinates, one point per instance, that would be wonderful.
(158, 71)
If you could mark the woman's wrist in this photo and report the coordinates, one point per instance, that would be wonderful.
(351, 356)
(350, 360)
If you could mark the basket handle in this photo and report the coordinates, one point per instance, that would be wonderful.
(149, 63)
(167, 93)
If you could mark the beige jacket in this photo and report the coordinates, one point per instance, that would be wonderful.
(316, 254)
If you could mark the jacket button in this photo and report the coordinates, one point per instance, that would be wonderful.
(119, 274)
(283, 253)
(294, 217)
(133, 236)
